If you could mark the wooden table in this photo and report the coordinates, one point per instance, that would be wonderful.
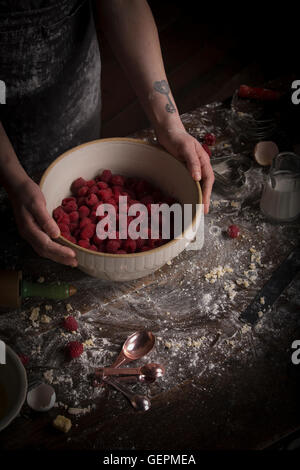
(228, 385)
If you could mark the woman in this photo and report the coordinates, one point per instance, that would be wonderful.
(50, 63)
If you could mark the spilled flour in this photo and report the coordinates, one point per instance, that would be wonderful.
(192, 304)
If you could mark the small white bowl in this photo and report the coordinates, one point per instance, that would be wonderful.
(13, 381)
(128, 157)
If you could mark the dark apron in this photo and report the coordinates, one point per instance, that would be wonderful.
(50, 63)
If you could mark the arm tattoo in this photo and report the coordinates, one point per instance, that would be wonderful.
(163, 88)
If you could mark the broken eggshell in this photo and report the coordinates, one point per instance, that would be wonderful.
(265, 151)
(41, 398)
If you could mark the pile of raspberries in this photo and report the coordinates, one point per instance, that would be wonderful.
(77, 219)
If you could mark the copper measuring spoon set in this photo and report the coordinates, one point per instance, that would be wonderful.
(135, 347)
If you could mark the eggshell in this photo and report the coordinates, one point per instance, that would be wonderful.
(41, 398)
(265, 151)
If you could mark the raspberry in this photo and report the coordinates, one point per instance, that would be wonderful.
(117, 180)
(93, 248)
(112, 246)
(70, 324)
(73, 226)
(207, 149)
(83, 191)
(76, 233)
(106, 176)
(74, 349)
(90, 183)
(117, 191)
(66, 200)
(113, 203)
(105, 194)
(84, 244)
(97, 241)
(64, 228)
(69, 204)
(140, 242)
(95, 207)
(92, 199)
(85, 222)
(88, 232)
(83, 211)
(69, 237)
(145, 248)
(129, 245)
(58, 212)
(258, 93)
(94, 189)
(77, 184)
(24, 359)
(81, 201)
(121, 252)
(102, 185)
(63, 219)
(209, 139)
(93, 217)
(74, 216)
(233, 231)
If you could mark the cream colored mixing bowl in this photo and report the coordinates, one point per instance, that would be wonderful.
(128, 157)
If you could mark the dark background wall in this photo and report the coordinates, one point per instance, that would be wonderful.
(207, 54)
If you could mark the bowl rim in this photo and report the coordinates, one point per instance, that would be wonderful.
(14, 411)
(119, 139)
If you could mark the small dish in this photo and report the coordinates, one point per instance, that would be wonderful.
(13, 387)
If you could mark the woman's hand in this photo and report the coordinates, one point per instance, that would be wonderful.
(185, 147)
(36, 225)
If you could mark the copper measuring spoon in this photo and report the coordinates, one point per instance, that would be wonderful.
(139, 402)
(130, 379)
(136, 346)
(149, 371)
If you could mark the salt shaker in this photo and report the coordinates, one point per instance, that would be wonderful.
(280, 199)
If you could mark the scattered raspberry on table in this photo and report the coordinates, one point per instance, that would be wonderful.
(233, 231)
(74, 349)
(24, 359)
(207, 149)
(70, 323)
(209, 139)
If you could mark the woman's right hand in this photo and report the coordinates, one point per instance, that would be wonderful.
(36, 225)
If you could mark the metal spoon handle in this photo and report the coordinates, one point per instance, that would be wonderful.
(116, 371)
(129, 379)
(139, 402)
(121, 360)
(114, 383)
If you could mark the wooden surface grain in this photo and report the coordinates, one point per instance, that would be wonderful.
(227, 386)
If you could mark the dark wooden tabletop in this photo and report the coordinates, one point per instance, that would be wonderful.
(227, 386)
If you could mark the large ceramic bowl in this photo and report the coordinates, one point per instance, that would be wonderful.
(13, 387)
(129, 157)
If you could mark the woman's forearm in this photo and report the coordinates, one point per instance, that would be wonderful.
(130, 29)
(12, 174)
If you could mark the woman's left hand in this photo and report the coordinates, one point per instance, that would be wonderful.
(182, 145)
